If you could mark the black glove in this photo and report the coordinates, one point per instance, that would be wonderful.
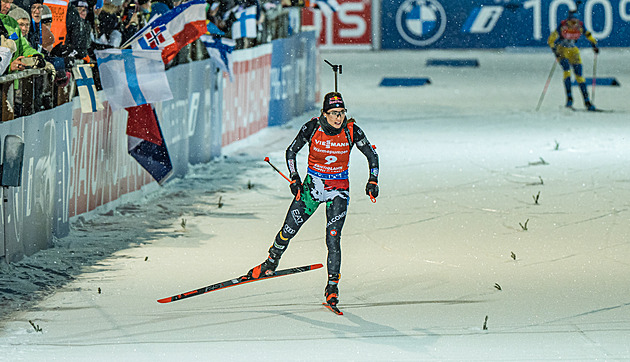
(39, 61)
(296, 184)
(371, 188)
(595, 49)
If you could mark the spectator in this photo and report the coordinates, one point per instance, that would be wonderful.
(82, 8)
(91, 16)
(11, 29)
(107, 33)
(23, 19)
(130, 20)
(158, 8)
(77, 37)
(48, 38)
(36, 35)
(6, 6)
(145, 10)
(215, 15)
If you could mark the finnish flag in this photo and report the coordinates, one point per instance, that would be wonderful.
(220, 51)
(133, 77)
(245, 25)
(87, 89)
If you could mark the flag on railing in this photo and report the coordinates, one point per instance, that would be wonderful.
(245, 25)
(146, 143)
(220, 51)
(173, 30)
(87, 89)
(327, 6)
(132, 77)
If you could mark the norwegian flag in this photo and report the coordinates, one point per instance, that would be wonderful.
(157, 36)
(173, 30)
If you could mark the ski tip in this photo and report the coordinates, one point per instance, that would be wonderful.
(165, 300)
(316, 266)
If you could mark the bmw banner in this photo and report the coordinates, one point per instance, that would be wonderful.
(420, 24)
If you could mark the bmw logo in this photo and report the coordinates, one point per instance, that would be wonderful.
(421, 22)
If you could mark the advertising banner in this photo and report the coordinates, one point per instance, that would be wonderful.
(202, 121)
(350, 26)
(100, 168)
(173, 117)
(293, 77)
(39, 182)
(429, 24)
(246, 99)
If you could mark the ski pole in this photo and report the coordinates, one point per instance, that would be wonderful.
(542, 95)
(594, 77)
(297, 197)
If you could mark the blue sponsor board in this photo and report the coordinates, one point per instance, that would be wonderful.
(404, 82)
(429, 24)
(293, 77)
(452, 63)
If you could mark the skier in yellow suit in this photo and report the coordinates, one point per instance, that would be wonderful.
(562, 43)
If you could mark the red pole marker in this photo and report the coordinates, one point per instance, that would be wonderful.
(281, 174)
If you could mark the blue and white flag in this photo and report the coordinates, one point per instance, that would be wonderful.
(133, 77)
(220, 51)
(5, 58)
(328, 6)
(87, 89)
(245, 25)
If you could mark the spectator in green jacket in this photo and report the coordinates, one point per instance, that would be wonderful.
(11, 30)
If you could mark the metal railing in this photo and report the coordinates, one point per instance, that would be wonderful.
(30, 91)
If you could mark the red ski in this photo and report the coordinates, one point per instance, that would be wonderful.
(333, 308)
(238, 281)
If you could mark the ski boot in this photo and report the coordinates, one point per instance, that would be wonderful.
(569, 102)
(332, 290)
(267, 268)
(590, 106)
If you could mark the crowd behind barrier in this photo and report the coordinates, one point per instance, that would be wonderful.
(77, 162)
(41, 40)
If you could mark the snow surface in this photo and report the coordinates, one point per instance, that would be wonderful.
(443, 253)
